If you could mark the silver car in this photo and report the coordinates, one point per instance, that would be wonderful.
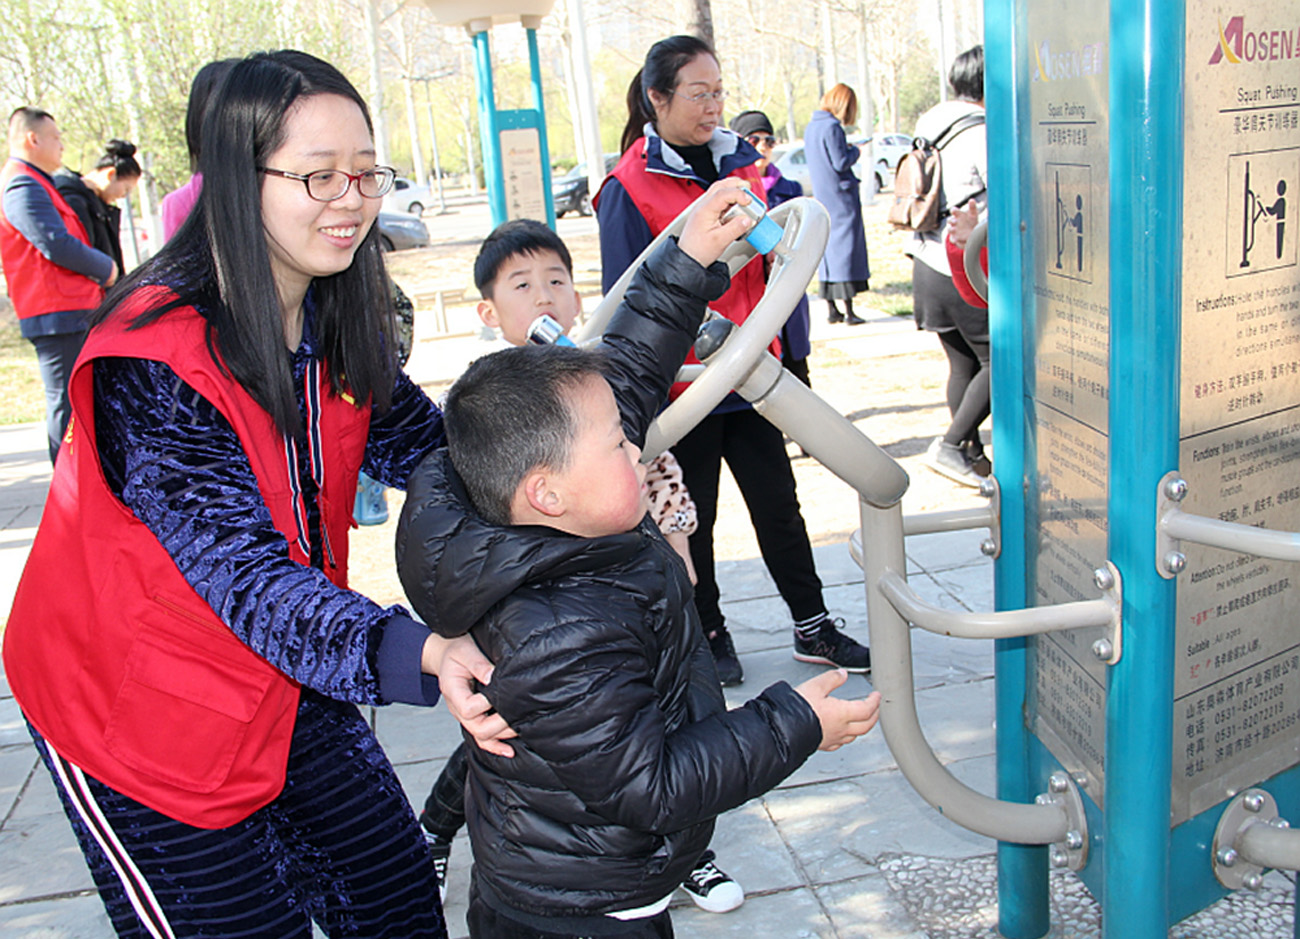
(407, 196)
(887, 149)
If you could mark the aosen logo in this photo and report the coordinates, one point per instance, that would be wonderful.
(1237, 44)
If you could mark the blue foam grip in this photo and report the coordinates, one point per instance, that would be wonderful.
(765, 235)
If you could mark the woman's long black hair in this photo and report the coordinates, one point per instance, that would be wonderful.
(218, 261)
(665, 59)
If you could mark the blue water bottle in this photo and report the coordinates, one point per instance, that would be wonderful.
(546, 331)
(766, 233)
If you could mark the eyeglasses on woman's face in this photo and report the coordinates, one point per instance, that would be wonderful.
(328, 185)
(761, 140)
(704, 97)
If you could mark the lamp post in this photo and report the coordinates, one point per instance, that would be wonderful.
(433, 131)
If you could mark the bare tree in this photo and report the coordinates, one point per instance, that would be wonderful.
(700, 22)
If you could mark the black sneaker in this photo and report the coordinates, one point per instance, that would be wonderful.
(711, 889)
(724, 657)
(979, 462)
(832, 647)
(441, 851)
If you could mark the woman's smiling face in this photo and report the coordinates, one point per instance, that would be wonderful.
(306, 238)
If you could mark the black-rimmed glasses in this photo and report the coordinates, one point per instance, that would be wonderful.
(765, 139)
(328, 185)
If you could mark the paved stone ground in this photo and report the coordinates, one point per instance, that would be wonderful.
(844, 848)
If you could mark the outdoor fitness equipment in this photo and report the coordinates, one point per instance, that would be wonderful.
(1144, 516)
(739, 359)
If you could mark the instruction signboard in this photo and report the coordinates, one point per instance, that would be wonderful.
(522, 163)
(1067, 60)
(1237, 661)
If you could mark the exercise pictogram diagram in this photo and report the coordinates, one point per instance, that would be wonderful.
(1067, 226)
(1259, 187)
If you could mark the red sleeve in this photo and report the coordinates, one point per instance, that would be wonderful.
(957, 262)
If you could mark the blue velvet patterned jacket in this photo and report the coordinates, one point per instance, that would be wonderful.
(177, 463)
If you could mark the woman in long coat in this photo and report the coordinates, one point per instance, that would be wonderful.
(844, 270)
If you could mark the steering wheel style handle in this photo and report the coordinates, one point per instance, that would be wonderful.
(794, 260)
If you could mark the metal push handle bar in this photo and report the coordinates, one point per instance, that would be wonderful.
(1174, 525)
(1006, 624)
(1251, 837)
(1057, 818)
(806, 418)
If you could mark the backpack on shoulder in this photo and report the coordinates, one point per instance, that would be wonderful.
(918, 183)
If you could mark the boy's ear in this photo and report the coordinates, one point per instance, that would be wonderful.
(487, 312)
(541, 494)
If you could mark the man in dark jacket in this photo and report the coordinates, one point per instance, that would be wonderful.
(625, 752)
(55, 277)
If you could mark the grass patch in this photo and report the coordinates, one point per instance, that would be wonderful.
(22, 396)
(891, 269)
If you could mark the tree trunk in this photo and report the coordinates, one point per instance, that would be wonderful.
(866, 108)
(376, 82)
(701, 21)
(832, 69)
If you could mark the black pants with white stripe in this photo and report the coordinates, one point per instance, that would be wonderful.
(339, 845)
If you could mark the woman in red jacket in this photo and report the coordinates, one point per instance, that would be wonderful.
(675, 144)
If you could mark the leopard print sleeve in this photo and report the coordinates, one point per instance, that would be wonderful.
(671, 505)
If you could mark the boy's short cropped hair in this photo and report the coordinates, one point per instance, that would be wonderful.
(510, 413)
(509, 239)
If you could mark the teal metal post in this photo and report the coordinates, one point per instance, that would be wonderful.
(489, 139)
(1022, 869)
(1146, 156)
(539, 104)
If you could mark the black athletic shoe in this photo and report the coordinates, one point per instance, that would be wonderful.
(979, 462)
(724, 657)
(832, 647)
(441, 851)
(712, 889)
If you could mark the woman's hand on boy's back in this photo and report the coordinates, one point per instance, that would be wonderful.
(458, 664)
(705, 235)
(843, 721)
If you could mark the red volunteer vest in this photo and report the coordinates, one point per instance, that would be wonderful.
(660, 198)
(112, 656)
(36, 284)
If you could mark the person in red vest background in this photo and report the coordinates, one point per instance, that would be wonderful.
(674, 146)
(55, 277)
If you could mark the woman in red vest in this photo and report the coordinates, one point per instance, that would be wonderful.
(183, 642)
(675, 144)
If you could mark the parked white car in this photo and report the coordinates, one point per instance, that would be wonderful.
(888, 149)
(407, 196)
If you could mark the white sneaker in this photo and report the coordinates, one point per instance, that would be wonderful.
(711, 889)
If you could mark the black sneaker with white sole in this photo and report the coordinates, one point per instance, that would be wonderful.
(832, 647)
(710, 888)
(441, 851)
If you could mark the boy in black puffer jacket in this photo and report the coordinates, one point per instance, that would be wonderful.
(531, 529)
